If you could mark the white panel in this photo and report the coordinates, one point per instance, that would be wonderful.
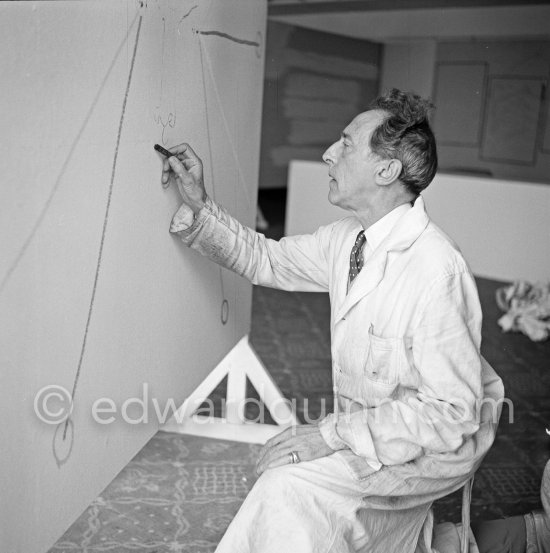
(95, 295)
(502, 227)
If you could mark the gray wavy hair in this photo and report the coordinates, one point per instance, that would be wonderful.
(405, 134)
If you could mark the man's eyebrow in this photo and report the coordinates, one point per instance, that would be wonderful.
(346, 136)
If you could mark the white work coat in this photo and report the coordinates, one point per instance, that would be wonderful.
(416, 405)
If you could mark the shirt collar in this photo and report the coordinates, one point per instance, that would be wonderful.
(376, 233)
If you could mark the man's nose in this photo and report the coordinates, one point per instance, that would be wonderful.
(330, 154)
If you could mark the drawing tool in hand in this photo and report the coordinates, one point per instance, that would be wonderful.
(163, 151)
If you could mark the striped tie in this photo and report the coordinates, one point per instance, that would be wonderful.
(356, 257)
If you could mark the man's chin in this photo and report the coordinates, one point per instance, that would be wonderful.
(333, 197)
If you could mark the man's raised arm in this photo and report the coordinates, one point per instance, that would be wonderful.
(295, 263)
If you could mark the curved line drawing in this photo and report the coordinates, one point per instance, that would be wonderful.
(256, 43)
(105, 223)
(61, 459)
(169, 119)
(170, 122)
(188, 13)
(59, 178)
(225, 312)
(230, 37)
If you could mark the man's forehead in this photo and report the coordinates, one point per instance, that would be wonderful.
(363, 124)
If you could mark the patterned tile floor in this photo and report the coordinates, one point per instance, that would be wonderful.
(179, 493)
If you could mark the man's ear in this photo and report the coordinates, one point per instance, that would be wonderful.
(388, 171)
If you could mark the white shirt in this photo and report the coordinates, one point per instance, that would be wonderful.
(376, 233)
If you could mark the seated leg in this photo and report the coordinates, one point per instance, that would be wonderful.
(309, 507)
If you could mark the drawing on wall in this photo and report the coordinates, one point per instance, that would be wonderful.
(219, 109)
(62, 446)
(62, 443)
(63, 440)
(95, 294)
(512, 120)
(166, 92)
(165, 116)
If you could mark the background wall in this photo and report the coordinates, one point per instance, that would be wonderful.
(315, 83)
(95, 295)
(487, 65)
(409, 66)
(492, 112)
(307, 205)
(492, 108)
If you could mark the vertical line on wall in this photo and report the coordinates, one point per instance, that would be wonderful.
(225, 303)
(105, 223)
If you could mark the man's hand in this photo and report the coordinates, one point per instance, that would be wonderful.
(305, 440)
(186, 168)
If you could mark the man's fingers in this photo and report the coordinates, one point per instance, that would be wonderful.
(178, 167)
(188, 163)
(189, 153)
(285, 438)
(165, 171)
(272, 442)
(281, 455)
(186, 154)
(280, 450)
(275, 441)
(276, 458)
(286, 434)
(306, 441)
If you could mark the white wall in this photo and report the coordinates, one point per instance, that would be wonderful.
(84, 222)
(502, 227)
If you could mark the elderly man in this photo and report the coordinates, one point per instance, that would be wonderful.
(412, 421)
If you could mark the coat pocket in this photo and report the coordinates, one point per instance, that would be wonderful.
(383, 359)
(380, 371)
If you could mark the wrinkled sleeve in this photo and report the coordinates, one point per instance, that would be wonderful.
(445, 410)
(292, 263)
